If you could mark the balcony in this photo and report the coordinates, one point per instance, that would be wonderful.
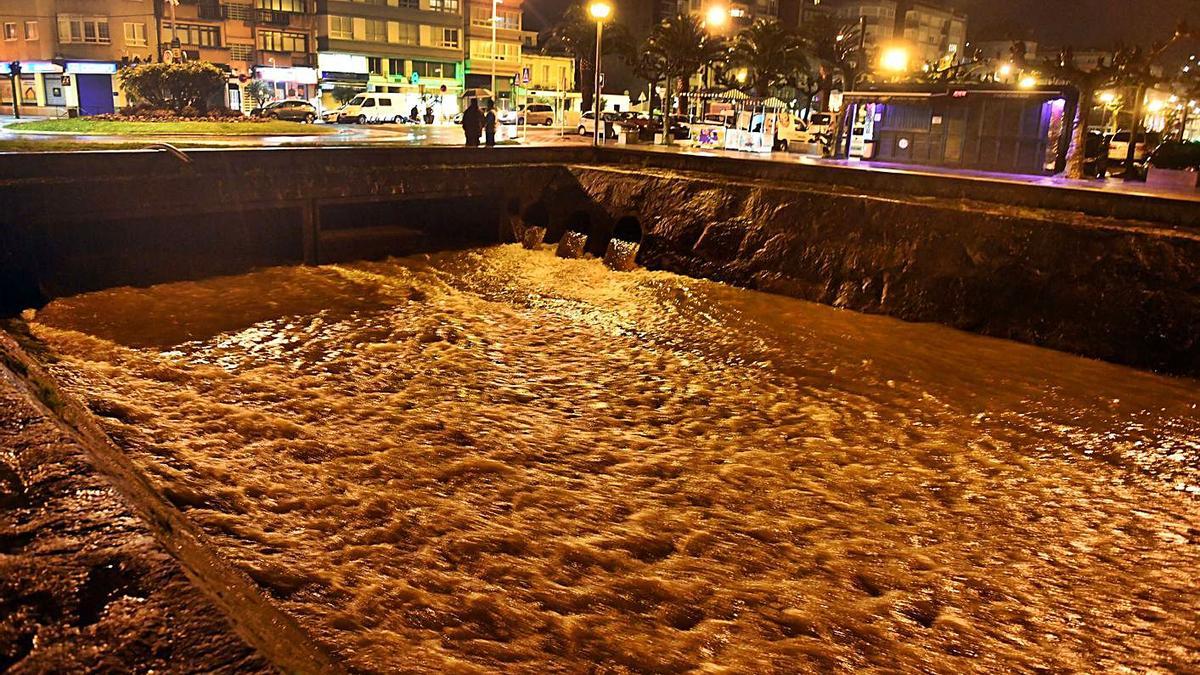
(273, 18)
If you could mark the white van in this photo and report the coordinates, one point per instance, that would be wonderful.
(374, 108)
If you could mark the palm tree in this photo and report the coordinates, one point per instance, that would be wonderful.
(835, 48)
(575, 34)
(772, 56)
(684, 47)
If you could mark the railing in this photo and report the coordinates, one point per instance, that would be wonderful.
(273, 18)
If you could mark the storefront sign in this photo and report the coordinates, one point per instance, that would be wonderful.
(297, 75)
(28, 67)
(91, 68)
(343, 63)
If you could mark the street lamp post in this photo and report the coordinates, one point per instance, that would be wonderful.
(495, 21)
(600, 10)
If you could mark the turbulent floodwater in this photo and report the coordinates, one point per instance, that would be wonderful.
(498, 460)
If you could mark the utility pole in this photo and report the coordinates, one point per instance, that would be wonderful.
(14, 70)
(495, 19)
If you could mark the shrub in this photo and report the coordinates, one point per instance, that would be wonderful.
(174, 85)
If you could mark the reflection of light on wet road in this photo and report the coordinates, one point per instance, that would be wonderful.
(530, 464)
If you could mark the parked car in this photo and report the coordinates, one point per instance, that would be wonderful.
(1096, 153)
(291, 110)
(1118, 146)
(1175, 164)
(374, 108)
(535, 114)
(587, 123)
(332, 116)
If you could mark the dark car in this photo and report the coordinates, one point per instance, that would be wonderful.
(1177, 156)
(1095, 155)
(290, 110)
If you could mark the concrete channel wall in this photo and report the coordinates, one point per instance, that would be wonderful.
(1105, 275)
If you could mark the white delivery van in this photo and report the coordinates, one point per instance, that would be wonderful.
(374, 108)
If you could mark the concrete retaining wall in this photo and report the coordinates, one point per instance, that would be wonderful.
(1115, 277)
(1113, 290)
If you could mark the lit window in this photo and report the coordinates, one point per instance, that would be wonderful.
(31, 30)
(10, 31)
(135, 35)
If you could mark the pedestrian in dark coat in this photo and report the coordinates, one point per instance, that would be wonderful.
(472, 123)
(489, 127)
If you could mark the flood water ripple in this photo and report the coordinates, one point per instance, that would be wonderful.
(498, 460)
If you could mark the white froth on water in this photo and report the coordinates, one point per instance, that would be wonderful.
(502, 460)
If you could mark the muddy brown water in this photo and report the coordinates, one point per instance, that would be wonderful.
(498, 460)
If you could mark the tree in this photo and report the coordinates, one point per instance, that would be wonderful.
(175, 85)
(684, 47)
(341, 93)
(1130, 67)
(575, 34)
(835, 49)
(772, 56)
(260, 93)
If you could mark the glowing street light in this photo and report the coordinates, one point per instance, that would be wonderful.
(1005, 70)
(600, 10)
(716, 16)
(1155, 106)
(1107, 97)
(894, 60)
(1027, 82)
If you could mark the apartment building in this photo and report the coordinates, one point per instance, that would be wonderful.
(412, 48)
(271, 40)
(495, 51)
(69, 51)
(934, 32)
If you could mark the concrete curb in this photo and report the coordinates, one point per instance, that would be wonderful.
(262, 625)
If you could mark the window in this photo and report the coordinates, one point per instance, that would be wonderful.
(135, 35)
(451, 6)
(195, 34)
(10, 31)
(385, 102)
(240, 11)
(341, 28)
(395, 66)
(375, 65)
(435, 69)
(74, 28)
(410, 34)
(31, 30)
(447, 37)
(376, 30)
(278, 41)
(293, 6)
(241, 52)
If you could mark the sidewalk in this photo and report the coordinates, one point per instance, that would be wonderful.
(1108, 185)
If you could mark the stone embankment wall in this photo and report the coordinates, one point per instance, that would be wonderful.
(1107, 275)
(1119, 290)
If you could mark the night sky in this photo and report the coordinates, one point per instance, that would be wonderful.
(1084, 23)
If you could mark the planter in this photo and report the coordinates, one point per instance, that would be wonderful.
(1172, 178)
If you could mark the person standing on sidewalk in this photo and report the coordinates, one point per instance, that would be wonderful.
(472, 123)
(489, 127)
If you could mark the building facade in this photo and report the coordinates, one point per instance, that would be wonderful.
(932, 31)
(495, 52)
(69, 52)
(413, 48)
(270, 40)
